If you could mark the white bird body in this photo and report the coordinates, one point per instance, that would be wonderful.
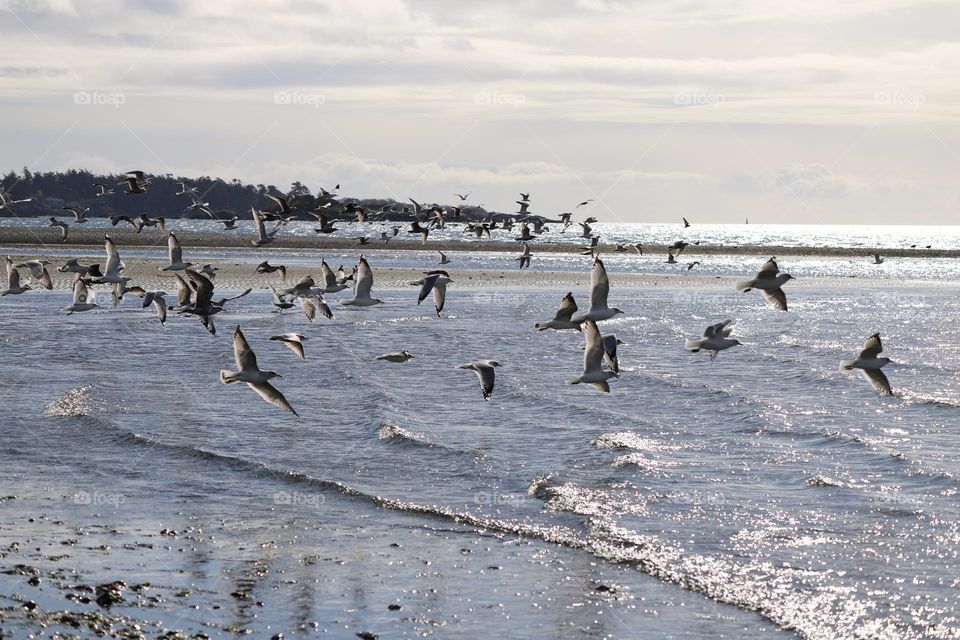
(485, 370)
(593, 371)
(175, 253)
(362, 287)
(870, 363)
(769, 281)
(716, 338)
(81, 298)
(398, 356)
(249, 372)
(562, 319)
(599, 290)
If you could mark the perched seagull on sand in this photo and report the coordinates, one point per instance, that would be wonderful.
(250, 373)
(266, 267)
(870, 364)
(599, 290)
(443, 258)
(435, 281)
(63, 226)
(13, 281)
(593, 372)
(715, 339)
(81, 298)
(525, 256)
(362, 287)
(292, 340)
(485, 372)
(397, 356)
(562, 318)
(175, 254)
(769, 280)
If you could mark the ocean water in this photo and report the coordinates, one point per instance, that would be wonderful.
(730, 235)
(764, 495)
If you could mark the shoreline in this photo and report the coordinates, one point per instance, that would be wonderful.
(32, 237)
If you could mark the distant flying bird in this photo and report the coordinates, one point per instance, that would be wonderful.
(584, 203)
(397, 356)
(562, 319)
(524, 258)
(715, 339)
(175, 254)
(104, 189)
(81, 298)
(281, 203)
(80, 215)
(462, 196)
(63, 226)
(871, 364)
(685, 223)
(769, 280)
(133, 186)
(250, 372)
(292, 340)
(443, 258)
(485, 372)
(362, 287)
(691, 265)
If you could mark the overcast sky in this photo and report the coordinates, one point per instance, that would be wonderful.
(717, 110)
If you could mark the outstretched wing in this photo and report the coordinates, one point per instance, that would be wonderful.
(878, 380)
(245, 357)
(270, 393)
(776, 298)
(593, 352)
(567, 308)
(872, 347)
(599, 285)
(769, 269)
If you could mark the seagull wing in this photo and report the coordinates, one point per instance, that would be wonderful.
(245, 357)
(439, 296)
(593, 353)
(270, 393)
(427, 285)
(769, 269)
(329, 278)
(487, 375)
(776, 298)
(878, 380)
(45, 279)
(364, 279)
(567, 308)
(161, 306)
(204, 287)
(174, 250)
(599, 285)
(113, 264)
(872, 347)
(183, 291)
(80, 294)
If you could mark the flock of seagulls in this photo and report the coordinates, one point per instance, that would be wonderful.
(195, 290)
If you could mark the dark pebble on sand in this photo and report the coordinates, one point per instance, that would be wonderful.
(34, 581)
(30, 605)
(394, 607)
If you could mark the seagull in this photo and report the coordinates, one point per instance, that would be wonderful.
(325, 225)
(876, 258)
(599, 290)
(435, 281)
(397, 356)
(145, 221)
(670, 258)
(870, 364)
(330, 282)
(115, 220)
(443, 258)
(266, 267)
(562, 318)
(38, 270)
(64, 228)
(176, 255)
(691, 265)
(610, 343)
(638, 248)
(263, 236)
(250, 373)
(485, 372)
(462, 196)
(133, 186)
(362, 287)
(313, 302)
(229, 225)
(73, 266)
(525, 256)
(103, 189)
(292, 340)
(715, 339)
(6, 201)
(769, 280)
(81, 298)
(114, 265)
(280, 301)
(685, 223)
(209, 270)
(13, 281)
(156, 299)
(80, 215)
(593, 372)
(282, 203)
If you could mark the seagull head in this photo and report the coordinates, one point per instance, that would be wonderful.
(271, 374)
(787, 276)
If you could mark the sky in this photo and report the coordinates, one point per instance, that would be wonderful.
(717, 110)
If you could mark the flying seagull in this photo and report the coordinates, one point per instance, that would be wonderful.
(80, 215)
(769, 280)
(715, 339)
(266, 267)
(249, 372)
(292, 340)
(63, 226)
(436, 282)
(81, 298)
(443, 258)
(871, 364)
(485, 372)
(13, 281)
(525, 256)
(561, 320)
(599, 290)
(362, 287)
(175, 254)
(593, 372)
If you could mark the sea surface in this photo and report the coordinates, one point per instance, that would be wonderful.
(945, 237)
(765, 495)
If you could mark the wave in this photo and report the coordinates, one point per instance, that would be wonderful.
(77, 402)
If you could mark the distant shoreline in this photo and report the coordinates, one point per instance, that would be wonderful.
(20, 238)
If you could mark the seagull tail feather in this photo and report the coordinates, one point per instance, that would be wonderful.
(847, 365)
(693, 345)
(229, 377)
(744, 285)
